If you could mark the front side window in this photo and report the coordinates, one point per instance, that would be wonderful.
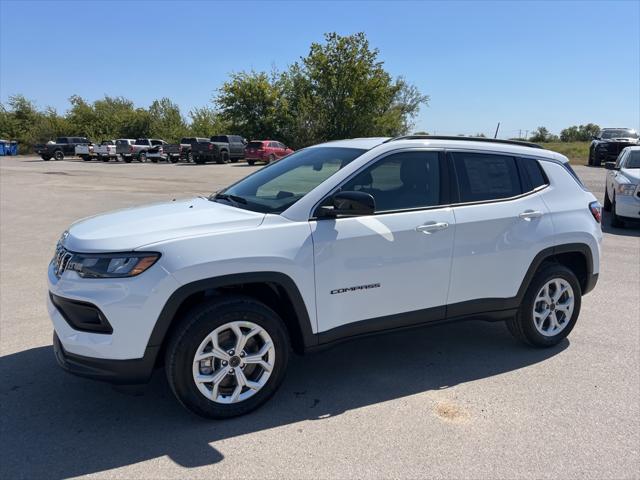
(401, 181)
(484, 177)
(633, 159)
(275, 188)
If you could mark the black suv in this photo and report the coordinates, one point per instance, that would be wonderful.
(607, 145)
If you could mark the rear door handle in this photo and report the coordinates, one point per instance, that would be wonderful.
(431, 227)
(529, 214)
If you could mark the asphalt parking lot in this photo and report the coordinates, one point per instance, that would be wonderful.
(453, 401)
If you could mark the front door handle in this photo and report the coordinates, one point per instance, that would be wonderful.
(431, 227)
(529, 214)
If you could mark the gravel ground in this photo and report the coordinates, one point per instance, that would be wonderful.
(453, 401)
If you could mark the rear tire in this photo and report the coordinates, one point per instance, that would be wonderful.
(223, 158)
(272, 158)
(221, 319)
(46, 158)
(251, 162)
(126, 159)
(530, 325)
(58, 155)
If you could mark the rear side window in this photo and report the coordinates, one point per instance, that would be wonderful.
(532, 174)
(220, 138)
(142, 142)
(484, 177)
(254, 145)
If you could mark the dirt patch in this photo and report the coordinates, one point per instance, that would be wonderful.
(451, 412)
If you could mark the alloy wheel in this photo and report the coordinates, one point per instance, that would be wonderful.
(553, 307)
(233, 362)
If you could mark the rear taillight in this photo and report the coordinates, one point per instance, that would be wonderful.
(596, 211)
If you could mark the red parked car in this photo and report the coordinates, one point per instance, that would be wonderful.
(265, 151)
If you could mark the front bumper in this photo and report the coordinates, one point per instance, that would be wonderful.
(628, 206)
(113, 371)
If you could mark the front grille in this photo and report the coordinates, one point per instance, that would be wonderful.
(61, 260)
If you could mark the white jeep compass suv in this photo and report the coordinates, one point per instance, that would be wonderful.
(334, 241)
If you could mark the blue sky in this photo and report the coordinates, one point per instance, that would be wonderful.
(524, 64)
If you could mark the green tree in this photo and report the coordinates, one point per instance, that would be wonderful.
(341, 90)
(166, 120)
(540, 135)
(206, 122)
(249, 103)
(582, 133)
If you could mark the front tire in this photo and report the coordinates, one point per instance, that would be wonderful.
(550, 307)
(58, 155)
(616, 221)
(607, 203)
(227, 357)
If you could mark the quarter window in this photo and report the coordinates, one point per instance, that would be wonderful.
(401, 181)
(533, 172)
(486, 176)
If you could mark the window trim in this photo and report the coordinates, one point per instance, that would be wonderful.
(445, 179)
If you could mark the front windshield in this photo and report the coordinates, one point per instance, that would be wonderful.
(634, 159)
(619, 133)
(281, 184)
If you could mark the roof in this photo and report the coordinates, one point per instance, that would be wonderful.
(387, 144)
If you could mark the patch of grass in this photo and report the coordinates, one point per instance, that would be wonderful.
(576, 152)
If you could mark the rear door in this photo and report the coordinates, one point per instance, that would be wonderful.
(390, 269)
(501, 224)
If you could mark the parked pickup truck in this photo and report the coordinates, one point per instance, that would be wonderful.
(142, 146)
(106, 150)
(182, 150)
(84, 151)
(61, 147)
(219, 149)
(124, 148)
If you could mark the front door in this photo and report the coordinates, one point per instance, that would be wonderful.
(390, 269)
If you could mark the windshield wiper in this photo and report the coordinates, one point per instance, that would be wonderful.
(229, 197)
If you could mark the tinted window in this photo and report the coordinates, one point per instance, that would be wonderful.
(633, 159)
(400, 181)
(62, 140)
(254, 145)
(220, 138)
(533, 171)
(486, 176)
(142, 142)
(157, 142)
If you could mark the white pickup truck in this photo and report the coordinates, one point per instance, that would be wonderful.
(106, 150)
(84, 151)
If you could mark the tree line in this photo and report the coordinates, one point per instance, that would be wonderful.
(339, 90)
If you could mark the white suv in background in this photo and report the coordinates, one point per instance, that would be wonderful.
(334, 241)
(622, 190)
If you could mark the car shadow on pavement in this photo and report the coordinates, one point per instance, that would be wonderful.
(630, 229)
(54, 425)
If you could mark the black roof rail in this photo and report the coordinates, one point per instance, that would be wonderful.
(467, 139)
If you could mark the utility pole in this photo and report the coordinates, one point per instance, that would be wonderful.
(497, 128)
(526, 134)
(520, 134)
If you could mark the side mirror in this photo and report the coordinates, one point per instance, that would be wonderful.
(610, 165)
(349, 204)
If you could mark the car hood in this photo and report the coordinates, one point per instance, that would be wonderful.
(633, 174)
(128, 229)
(620, 140)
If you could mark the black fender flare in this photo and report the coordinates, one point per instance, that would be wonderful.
(168, 313)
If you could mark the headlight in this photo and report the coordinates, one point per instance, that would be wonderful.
(625, 189)
(111, 265)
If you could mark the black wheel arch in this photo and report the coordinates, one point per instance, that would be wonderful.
(277, 290)
(575, 256)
